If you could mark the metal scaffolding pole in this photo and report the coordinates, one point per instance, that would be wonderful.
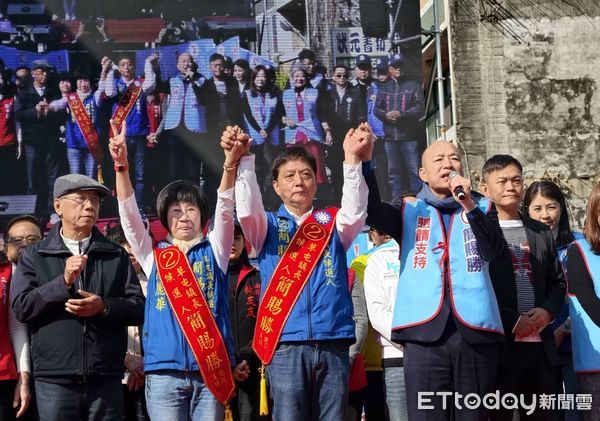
(440, 72)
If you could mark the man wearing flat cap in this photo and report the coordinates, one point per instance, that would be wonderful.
(45, 155)
(400, 104)
(77, 292)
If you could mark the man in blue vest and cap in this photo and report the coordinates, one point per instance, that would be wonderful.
(446, 314)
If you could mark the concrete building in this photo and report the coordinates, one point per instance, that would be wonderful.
(525, 76)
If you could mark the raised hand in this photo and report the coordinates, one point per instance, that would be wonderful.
(358, 144)
(106, 65)
(235, 144)
(117, 144)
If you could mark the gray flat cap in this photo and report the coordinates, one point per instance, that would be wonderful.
(41, 64)
(73, 182)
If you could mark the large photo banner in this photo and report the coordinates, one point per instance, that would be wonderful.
(316, 79)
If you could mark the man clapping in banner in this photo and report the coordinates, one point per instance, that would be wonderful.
(304, 324)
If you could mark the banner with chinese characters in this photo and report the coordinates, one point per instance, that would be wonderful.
(350, 42)
(289, 278)
(196, 320)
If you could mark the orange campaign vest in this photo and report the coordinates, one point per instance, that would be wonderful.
(197, 322)
(288, 280)
(126, 103)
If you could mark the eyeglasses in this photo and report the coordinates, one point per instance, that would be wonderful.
(17, 241)
(80, 200)
(341, 75)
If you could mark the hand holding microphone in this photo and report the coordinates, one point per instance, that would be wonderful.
(458, 191)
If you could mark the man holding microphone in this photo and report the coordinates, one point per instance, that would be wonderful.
(77, 292)
(446, 314)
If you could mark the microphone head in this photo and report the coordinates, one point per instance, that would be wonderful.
(452, 174)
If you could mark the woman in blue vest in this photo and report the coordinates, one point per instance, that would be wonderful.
(583, 269)
(545, 202)
(79, 156)
(304, 119)
(262, 108)
(175, 389)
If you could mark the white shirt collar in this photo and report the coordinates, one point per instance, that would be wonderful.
(299, 219)
(76, 247)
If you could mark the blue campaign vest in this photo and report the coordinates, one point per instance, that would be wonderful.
(137, 119)
(262, 111)
(75, 138)
(421, 286)
(314, 129)
(585, 334)
(562, 251)
(375, 123)
(186, 102)
(165, 346)
(324, 309)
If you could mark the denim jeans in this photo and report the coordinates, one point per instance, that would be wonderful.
(136, 153)
(309, 380)
(403, 166)
(395, 393)
(98, 399)
(81, 161)
(180, 395)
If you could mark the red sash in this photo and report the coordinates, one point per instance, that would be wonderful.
(196, 321)
(86, 125)
(288, 280)
(126, 103)
(8, 369)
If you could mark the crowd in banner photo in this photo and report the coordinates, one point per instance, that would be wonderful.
(60, 117)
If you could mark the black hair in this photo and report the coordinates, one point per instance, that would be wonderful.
(7, 88)
(64, 76)
(341, 66)
(23, 218)
(499, 162)
(244, 65)
(306, 53)
(268, 84)
(548, 189)
(295, 153)
(116, 235)
(127, 56)
(181, 191)
(82, 73)
(215, 57)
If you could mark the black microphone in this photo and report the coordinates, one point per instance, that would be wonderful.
(459, 191)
